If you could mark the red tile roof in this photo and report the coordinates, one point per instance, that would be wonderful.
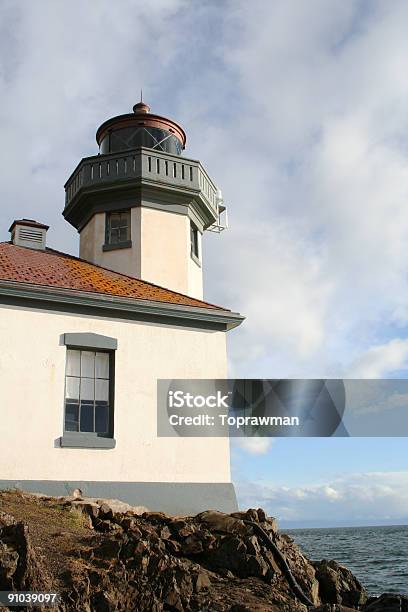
(54, 269)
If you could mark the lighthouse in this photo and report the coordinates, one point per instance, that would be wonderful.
(140, 207)
(81, 401)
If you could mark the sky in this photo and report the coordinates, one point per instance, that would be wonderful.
(299, 112)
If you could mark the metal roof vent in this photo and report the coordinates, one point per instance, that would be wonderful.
(29, 233)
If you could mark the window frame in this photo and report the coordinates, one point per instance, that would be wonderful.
(194, 243)
(109, 245)
(97, 344)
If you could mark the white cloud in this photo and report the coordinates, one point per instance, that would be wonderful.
(378, 361)
(253, 446)
(65, 68)
(375, 496)
(321, 236)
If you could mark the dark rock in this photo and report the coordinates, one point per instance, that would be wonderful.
(255, 566)
(109, 549)
(104, 602)
(202, 581)
(105, 512)
(224, 523)
(165, 533)
(213, 562)
(91, 509)
(182, 529)
(388, 602)
(20, 569)
(192, 545)
(230, 554)
(129, 524)
(225, 572)
(8, 563)
(173, 547)
(253, 546)
(337, 585)
(156, 517)
(252, 515)
(332, 608)
(261, 515)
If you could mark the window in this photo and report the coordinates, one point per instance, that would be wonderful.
(88, 392)
(194, 240)
(118, 227)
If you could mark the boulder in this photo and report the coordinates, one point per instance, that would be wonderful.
(20, 568)
(257, 516)
(225, 523)
(337, 585)
(332, 608)
(388, 602)
(86, 507)
(182, 529)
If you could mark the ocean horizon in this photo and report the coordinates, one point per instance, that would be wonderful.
(319, 524)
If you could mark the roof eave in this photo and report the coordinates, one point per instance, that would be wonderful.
(116, 304)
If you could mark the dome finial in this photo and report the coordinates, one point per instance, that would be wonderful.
(141, 107)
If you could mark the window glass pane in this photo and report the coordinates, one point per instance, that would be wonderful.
(87, 389)
(114, 236)
(71, 416)
(101, 418)
(73, 362)
(72, 388)
(123, 234)
(194, 239)
(87, 364)
(125, 218)
(87, 416)
(102, 390)
(87, 395)
(115, 220)
(118, 227)
(102, 365)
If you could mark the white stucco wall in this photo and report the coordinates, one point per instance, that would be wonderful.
(32, 370)
(92, 239)
(160, 251)
(195, 271)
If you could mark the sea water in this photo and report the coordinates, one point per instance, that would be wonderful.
(377, 556)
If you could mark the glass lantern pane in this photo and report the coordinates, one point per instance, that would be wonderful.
(102, 365)
(87, 364)
(72, 388)
(73, 362)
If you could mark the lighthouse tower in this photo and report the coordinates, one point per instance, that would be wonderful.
(140, 207)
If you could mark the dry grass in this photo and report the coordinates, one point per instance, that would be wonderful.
(60, 536)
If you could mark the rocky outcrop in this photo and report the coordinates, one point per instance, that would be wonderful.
(20, 568)
(337, 585)
(389, 602)
(148, 561)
